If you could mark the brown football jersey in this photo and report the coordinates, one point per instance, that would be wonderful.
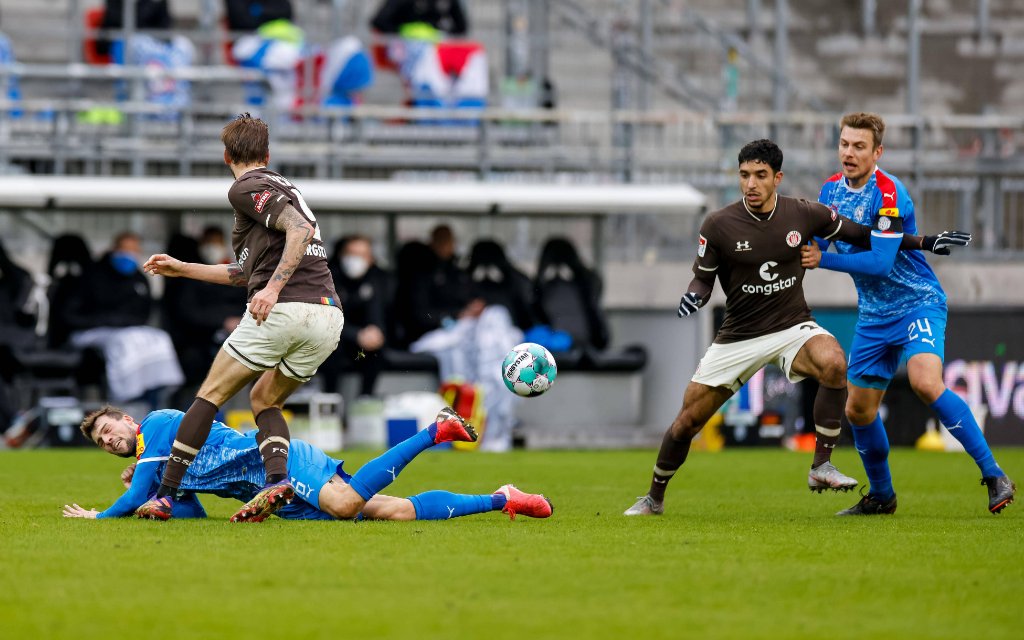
(258, 198)
(756, 257)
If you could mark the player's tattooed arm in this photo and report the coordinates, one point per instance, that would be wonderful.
(298, 234)
(236, 276)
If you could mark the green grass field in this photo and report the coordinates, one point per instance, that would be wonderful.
(743, 551)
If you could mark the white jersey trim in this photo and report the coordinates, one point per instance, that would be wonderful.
(154, 459)
(833, 234)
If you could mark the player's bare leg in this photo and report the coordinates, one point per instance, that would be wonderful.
(822, 358)
(700, 402)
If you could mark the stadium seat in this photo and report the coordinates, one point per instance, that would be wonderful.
(567, 298)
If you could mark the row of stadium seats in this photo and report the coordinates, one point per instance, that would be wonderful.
(560, 307)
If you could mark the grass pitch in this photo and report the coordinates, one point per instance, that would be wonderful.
(743, 551)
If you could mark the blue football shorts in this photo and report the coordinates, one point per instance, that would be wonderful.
(310, 470)
(878, 349)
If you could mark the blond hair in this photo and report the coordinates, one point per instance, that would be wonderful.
(864, 120)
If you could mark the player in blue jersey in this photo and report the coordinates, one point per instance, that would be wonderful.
(229, 465)
(901, 315)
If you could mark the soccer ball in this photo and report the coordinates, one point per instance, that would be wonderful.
(529, 370)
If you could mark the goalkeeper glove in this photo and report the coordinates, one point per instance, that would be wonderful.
(942, 243)
(689, 304)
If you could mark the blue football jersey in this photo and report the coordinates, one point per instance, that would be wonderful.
(911, 283)
(228, 465)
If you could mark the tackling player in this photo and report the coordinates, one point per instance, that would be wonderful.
(292, 325)
(753, 247)
(901, 316)
(229, 466)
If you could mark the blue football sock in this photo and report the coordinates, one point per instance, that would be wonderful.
(442, 505)
(958, 419)
(382, 470)
(872, 444)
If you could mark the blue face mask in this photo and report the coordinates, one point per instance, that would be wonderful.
(124, 263)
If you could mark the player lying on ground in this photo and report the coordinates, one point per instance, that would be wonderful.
(901, 316)
(753, 248)
(229, 465)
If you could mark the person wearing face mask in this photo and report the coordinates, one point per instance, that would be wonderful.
(365, 290)
(202, 314)
(111, 310)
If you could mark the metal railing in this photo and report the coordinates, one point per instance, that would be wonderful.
(964, 171)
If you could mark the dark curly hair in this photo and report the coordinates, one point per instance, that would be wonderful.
(763, 150)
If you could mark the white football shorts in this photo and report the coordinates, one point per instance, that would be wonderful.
(296, 338)
(731, 365)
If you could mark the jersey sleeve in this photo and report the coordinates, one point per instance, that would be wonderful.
(260, 200)
(705, 267)
(826, 224)
(884, 240)
(143, 483)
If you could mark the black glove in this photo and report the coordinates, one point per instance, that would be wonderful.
(942, 243)
(689, 304)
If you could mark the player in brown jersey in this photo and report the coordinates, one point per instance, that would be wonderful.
(753, 248)
(292, 324)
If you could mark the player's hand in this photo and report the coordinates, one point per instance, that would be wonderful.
(261, 304)
(161, 264)
(810, 255)
(370, 337)
(941, 244)
(127, 475)
(75, 511)
(689, 304)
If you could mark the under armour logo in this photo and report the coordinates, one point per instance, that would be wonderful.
(743, 245)
(451, 511)
(392, 472)
(889, 195)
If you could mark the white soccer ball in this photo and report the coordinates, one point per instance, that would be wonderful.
(529, 370)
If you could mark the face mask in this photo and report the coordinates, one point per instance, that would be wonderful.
(355, 267)
(213, 253)
(124, 263)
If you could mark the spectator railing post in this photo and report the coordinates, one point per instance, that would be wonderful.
(76, 32)
(483, 146)
(337, 19)
(208, 28)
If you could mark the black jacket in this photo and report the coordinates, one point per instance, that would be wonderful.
(107, 298)
(365, 301)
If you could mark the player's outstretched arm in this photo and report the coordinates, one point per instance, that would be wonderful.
(876, 262)
(143, 482)
(859, 235)
(162, 264)
(940, 244)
